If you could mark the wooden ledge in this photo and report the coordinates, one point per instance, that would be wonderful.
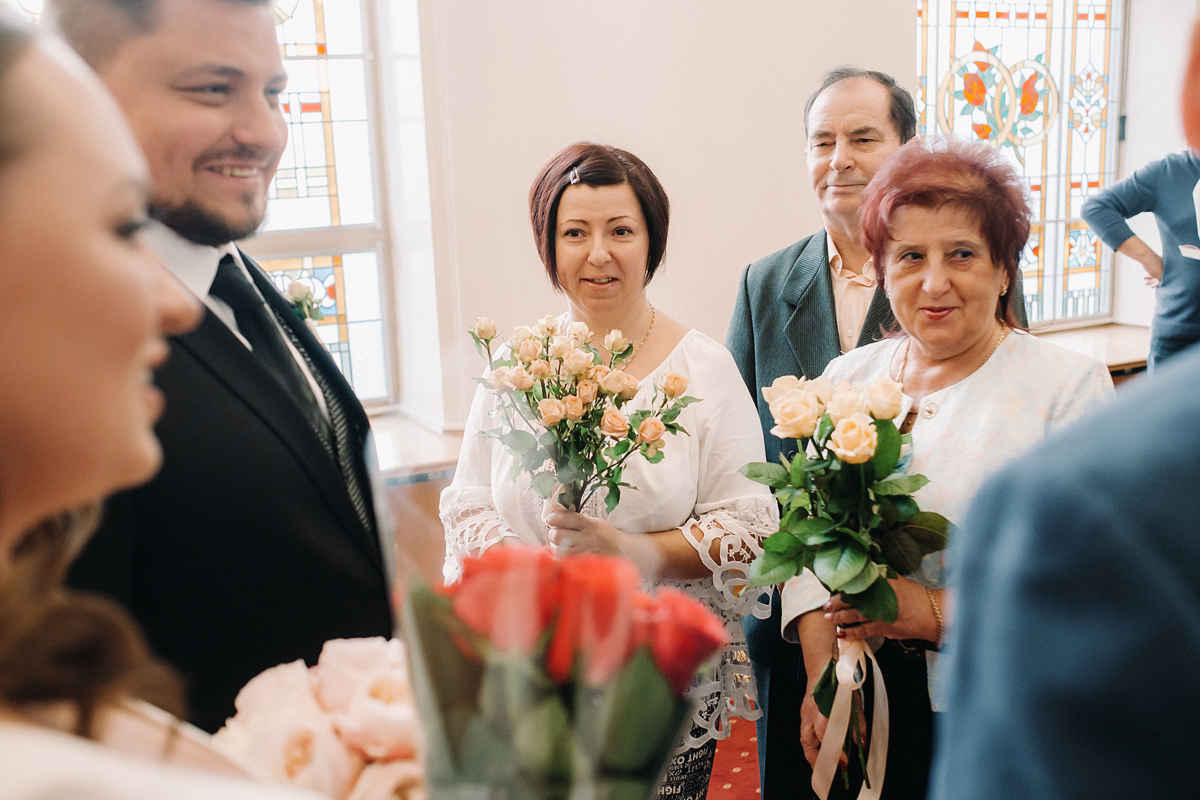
(1123, 348)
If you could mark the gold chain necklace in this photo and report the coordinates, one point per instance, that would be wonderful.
(642, 343)
(1000, 337)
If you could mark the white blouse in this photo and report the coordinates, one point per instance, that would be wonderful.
(697, 483)
(967, 431)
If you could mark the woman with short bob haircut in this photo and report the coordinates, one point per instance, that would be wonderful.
(945, 221)
(600, 219)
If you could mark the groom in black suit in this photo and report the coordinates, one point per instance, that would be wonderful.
(259, 540)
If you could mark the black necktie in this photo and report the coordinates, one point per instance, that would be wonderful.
(257, 324)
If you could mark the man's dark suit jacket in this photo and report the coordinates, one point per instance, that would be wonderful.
(245, 551)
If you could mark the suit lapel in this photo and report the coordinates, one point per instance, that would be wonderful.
(811, 329)
(879, 318)
(216, 347)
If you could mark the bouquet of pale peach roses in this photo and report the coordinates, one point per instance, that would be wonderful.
(848, 515)
(347, 728)
(560, 408)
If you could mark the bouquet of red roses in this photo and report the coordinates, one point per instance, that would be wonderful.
(540, 677)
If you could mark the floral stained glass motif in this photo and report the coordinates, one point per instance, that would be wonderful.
(324, 178)
(1038, 82)
(346, 290)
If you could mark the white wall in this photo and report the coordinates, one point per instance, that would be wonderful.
(1159, 32)
(710, 95)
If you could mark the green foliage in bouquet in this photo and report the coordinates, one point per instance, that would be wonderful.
(847, 511)
(560, 407)
(537, 676)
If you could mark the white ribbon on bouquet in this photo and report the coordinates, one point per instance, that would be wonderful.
(851, 673)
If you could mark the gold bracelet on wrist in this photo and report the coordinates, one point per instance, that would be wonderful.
(937, 613)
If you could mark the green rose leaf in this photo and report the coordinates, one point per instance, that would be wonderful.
(877, 602)
(887, 451)
(783, 543)
(835, 564)
(771, 475)
(543, 484)
(543, 740)
(930, 530)
(630, 723)
(901, 551)
(813, 531)
(860, 582)
(518, 441)
(613, 497)
(825, 689)
(905, 507)
(796, 471)
(906, 484)
(824, 428)
(771, 568)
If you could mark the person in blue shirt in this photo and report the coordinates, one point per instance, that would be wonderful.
(1163, 188)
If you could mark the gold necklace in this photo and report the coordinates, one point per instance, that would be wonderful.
(1001, 336)
(642, 343)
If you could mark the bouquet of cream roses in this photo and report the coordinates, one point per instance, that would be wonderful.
(560, 405)
(346, 728)
(848, 515)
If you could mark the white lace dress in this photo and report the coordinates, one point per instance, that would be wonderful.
(696, 484)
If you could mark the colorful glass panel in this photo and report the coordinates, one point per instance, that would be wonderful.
(1036, 81)
(324, 178)
(346, 290)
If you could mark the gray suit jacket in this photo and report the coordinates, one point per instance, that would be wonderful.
(784, 323)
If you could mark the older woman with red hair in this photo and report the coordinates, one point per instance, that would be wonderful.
(945, 221)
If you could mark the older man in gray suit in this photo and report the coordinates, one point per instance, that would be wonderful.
(797, 310)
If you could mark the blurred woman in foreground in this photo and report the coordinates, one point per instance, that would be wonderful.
(85, 329)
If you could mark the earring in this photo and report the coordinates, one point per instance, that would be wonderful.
(1004, 289)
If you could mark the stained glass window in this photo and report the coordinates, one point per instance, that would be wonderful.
(325, 183)
(1038, 81)
(346, 291)
(324, 178)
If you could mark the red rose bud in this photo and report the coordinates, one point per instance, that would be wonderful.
(596, 618)
(682, 633)
(508, 595)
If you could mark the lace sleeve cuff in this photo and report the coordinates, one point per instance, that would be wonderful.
(472, 525)
(737, 528)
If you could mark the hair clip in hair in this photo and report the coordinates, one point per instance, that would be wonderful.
(574, 175)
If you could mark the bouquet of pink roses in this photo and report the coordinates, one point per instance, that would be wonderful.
(541, 677)
(560, 404)
(347, 728)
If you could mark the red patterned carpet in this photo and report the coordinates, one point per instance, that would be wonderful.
(735, 769)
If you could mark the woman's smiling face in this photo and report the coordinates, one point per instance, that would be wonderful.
(941, 279)
(77, 406)
(601, 245)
